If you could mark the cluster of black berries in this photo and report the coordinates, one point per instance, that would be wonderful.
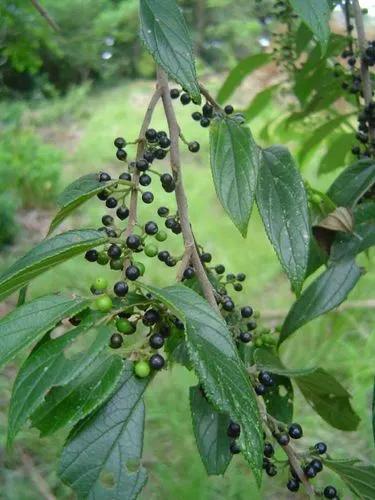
(366, 122)
(204, 116)
(369, 56)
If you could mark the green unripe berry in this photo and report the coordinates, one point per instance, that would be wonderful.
(258, 342)
(117, 264)
(100, 284)
(125, 326)
(142, 369)
(270, 340)
(103, 303)
(141, 267)
(151, 250)
(161, 235)
(103, 258)
(315, 198)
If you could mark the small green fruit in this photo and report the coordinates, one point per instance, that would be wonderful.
(103, 303)
(151, 250)
(141, 267)
(142, 369)
(125, 326)
(161, 235)
(103, 258)
(258, 342)
(100, 284)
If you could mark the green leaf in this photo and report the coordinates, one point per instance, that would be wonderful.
(210, 430)
(279, 399)
(327, 396)
(46, 255)
(234, 164)
(329, 399)
(359, 478)
(315, 14)
(337, 152)
(218, 366)
(76, 194)
(240, 72)
(282, 203)
(347, 245)
(29, 322)
(326, 292)
(364, 212)
(167, 38)
(102, 457)
(48, 366)
(373, 411)
(319, 135)
(352, 183)
(68, 404)
(260, 101)
(269, 361)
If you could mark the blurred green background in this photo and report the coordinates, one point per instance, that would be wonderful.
(64, 98)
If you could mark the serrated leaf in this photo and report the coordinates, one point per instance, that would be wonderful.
(210, 430)
(76, 194)
(234, 164)
(218, 366)
(102, 457)
(46, 255)
(48, 366)
(279, 399)
(315, 14)
(352, 183)
(243, 69)
(359, 478)
(164, 32)
(68, 404)
(29, 322)
(325, 293)
(282, 203)
(329, 399)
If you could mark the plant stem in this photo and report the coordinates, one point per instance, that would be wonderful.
(132, 220)
(42, 11)
(182, 205)
(209, 97)
(365, 73)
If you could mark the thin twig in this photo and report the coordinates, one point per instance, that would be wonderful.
(182, 205)
(365, 73)
(209, 97)
(132, 220)
(36, 477)
(42, 11)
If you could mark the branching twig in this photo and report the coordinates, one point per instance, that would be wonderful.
(365, 73)
(182, 206)
(42, 11)
(209, 97)
(132, 220)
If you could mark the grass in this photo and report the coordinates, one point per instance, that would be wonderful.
(340, 342)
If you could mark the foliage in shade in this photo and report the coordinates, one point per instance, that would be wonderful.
(359, 478)
(315, 14)
(352, 183)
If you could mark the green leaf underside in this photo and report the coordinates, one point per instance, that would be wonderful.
(102, 457)
(46, 255)
(346, 245)
(218, 366)
(322, 391)
(359, 478)
(210, 430)
(46, 367)
(328, 291)
(167, 38)
(279, 399)
(329, 399)
(234, 164)
(68, 404)
(282, 203)
(315, 14)
(29, 322)
(76, 194)
(239, 73)
(352, 183)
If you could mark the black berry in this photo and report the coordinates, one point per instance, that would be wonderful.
(283, 439)
(194, 147)
(121, 154)
(206, 257)
(163, 211)
(196, 116)
(293, 485)
(268, 450)
(151, 228)
(121, 288)
(164, 142)
(114, 251)
(295, 431)
(321, 448)
(185, 99)
(107, 220)
(91, 255)
(330, 492)
(116, 341)
(132, 273)
(150, 317)
(119, 142)
(317, 464)
(122, 213)
(151, 135)
(125, 176)
(157, 362)
(234, 430)
(207, 110)
(205, 122)
(189, 273)
(133, 241)
(260, 389)
(142, 165)
(220, 269)
(228, 109)
(265, 378)
(147, 197)
(175, 93)
(245, 337)
(111, 202)
(145, 180)
(246, 311)
(156, 341)
(235, 448)
(104, 177)
(271, 470)
(228, 305)
(310, 472)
